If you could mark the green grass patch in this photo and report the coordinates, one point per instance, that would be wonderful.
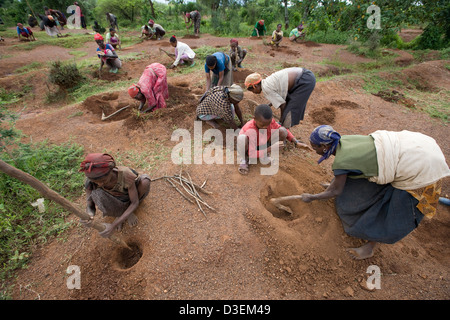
(22, 226)
(30, 67)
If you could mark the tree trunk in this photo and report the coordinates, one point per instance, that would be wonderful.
(286, 15)
(152, 8)
(48, 193)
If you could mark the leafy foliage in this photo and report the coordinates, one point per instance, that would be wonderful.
(66, 76)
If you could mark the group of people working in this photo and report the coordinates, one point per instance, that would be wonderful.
(384, 183)
(277, 35)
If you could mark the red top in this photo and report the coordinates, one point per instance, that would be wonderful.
(260, 137)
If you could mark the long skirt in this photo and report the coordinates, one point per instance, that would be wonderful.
(113, 206)
(374, 212)
(297, 98)
(53, 31)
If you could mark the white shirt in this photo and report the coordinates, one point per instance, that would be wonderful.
(183, 48)
(275, 86)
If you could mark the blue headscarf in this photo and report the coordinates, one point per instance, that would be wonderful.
(325, 134)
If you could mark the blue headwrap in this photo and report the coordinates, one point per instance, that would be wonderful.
(325, 134)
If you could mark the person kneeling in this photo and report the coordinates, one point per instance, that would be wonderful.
(116, 190)
(259, 142)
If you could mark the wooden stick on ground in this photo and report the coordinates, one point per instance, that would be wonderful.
(190, 189)
(48, 193)
(276, 202)
(116, 112)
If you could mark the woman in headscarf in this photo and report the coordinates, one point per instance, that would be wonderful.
(259, 29)
(194, 17)
(51, 26)
(384, 183)
(296, 33)
(221, 103)
(158, 30)
(25, 32)
(288, 89)
(152, 88)
(237, 54)
(107, 54)
(117, 191)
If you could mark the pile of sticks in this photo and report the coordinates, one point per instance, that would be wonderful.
(191, 190)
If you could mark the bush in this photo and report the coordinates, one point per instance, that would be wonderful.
(66, 76)
(431, 38)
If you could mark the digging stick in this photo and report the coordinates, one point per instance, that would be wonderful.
(276, 202)
(171, 56)
(106, 117)
(48, 193)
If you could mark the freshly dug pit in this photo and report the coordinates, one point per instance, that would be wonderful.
(127, 258)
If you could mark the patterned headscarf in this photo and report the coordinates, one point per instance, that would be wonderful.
(261, 22)
(252, 79)
(325, 134)
(96, 165)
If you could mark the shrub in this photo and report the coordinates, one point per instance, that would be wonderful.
(66, 76)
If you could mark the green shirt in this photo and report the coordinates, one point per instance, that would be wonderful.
(357, 152)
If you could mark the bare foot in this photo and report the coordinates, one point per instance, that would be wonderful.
(363, 252)
(132, 220)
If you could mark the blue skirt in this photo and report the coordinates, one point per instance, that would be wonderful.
(374, 212)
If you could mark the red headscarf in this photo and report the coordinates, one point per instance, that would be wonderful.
(234, 40)
(97, 164)
(261, 22)
(151, 22)
(98, 36)
(133, 90)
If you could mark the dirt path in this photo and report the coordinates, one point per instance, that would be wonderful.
(247, 249)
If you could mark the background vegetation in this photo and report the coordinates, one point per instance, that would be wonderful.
(326, 21)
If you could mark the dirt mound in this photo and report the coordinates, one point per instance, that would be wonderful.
(396, 97)
(108, 103)
(281, 50)
(190, 36)
(330, 70)
(345, 104)
(325, 115)
(240, 75)
(109, 76)
(310, 44)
